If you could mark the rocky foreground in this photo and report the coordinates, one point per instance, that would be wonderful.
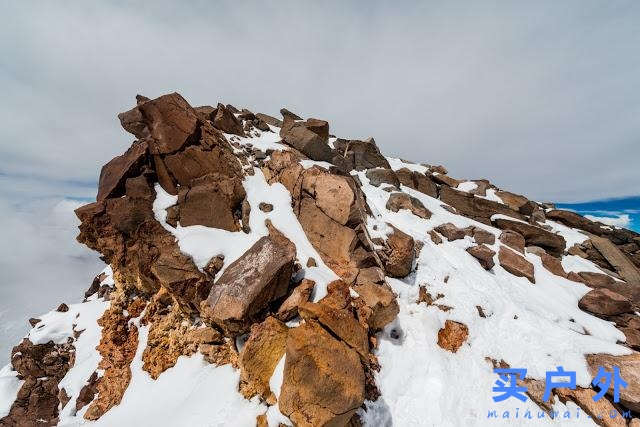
(264, 272)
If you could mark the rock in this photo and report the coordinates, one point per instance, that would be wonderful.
(195, 162)
(600, 280)
(311, 262)
(340, 322)
(63, 308)
(551, 263)
(450, 231)
(250, 283)
(380, 302)
(573, 220)
(226, 121)
(87, 392)
(445, 180)
(370, 275)
(265, 207)
(305, 137)
(483, 237)
(34, 321)
(516, 264)
(261, 353)
(399, 260)
(617, 259)
(514, 201)
(554, 244)
(286, 113)
(333, 194)
(380, 176)
(289, 308)
(169, 120)
(513, 239)
(114, 174)
(214, 265)
(484, 255)
(358, 155)
(452, 336)
(435, 238)
(605, 302)
(208, 205)
(398, 201)
(417, 181)
(600, 410)
(269, 120)
(475, 207)
(629, 366)
(632, 337)
(319, 368)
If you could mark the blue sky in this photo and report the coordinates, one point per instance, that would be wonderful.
(623, 212)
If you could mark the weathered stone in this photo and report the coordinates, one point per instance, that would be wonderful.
(605, 302)
(194, 162)
(208, 205)
(303, 137)
(483, 237)
(452, 336)
(269, 120)
(332, 194)
(380, 176)
(114, 174)
(617, 259)
(445, 180)
(516, 264)
(323, 379)
(226, 121)
(399, 259)
(289, 308)
(370, 275)
(600, 411)
(398, 201)
(380, 302)
(573, 220)
(554, 244)
(450, 231)
(483, 254)
(260, 355)
(417, 181)
(358, 155)
(514, 201)
(513, 239)
(435, 237)
(475, 207)
(250, 283)
(629, 366)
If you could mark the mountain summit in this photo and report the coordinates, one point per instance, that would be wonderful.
(262, 271)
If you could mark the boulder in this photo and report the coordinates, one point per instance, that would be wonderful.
(629, 366)
(398, 201)
(513, 239)
(450, 231)
(573, 220)
(605, 302)
(617, 259)
(484, 255)
(417, 181)
(554, 244)
(208, 205)
(358, 155)
(475, 207)
(598, 410)
(114, 174)
(169, 121)
(288, 114)
(380, 305)
(269, 120)
(259, 356)
(289, 308)
(304, 137)
(514, 201)
(250, 283)
(399, 258)
(380, 176)
(483, 237)
(551, 263)
(226, 121)
(445, 180)
(516, 264)
(195, 162)
(452, 336)
(333, 194)
(600, 280)
(324, 382)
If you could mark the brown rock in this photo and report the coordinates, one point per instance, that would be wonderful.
(265, 207)
(475, 207)
(445, 180)
(370, 275)
(399, 260)
(398, 201)
(605, 302)
(484, 255)
(380, 176)
(452, 336)
(33, 321)
(214, 265)
(599, 411)
(573, 220)
(632, 337)
(513, 239)
(551, 263)
(286, 113)
(358, 155)
(306, 138)
(417, 181)
(259, 357)
(629, 366)
(195, 162)
(210, 205)
(516, 264)
(514, 201)
(269, 119)
(289, 308)
(554, 244)
(483, 237)
(435, 238)
(226, 121)
(381, 304)
(323, 379)
(450, 231)
(332, 193)
(63, 308)
(114, 174)
(251, 282)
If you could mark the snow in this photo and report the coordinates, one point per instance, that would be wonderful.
(572, 236)
(266, 140)
(202, 243)
(397, 164)
(491, 195)
(577, 264)
(192, 393)
(9, 387)
(467, 186)
(306, 163)
(525, 327)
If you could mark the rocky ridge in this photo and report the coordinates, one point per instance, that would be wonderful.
(303, 262)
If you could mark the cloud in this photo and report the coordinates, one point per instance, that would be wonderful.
(619, 221)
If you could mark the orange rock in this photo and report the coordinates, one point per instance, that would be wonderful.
(452, 336)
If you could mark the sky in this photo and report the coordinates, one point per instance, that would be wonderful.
(540, 97)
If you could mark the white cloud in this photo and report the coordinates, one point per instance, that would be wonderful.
(622, 220)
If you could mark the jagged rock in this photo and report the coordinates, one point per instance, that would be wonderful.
(265, 207)
(552, 264)
(483, 254)
(196, 162)
(599, 410)
(445, 180)
(332, 194)
(380, 305)
(250, 283)
(259, 357)
(358, 155)
(286, 113)
(629, 370)
(516, 264)
(452, 336)
(475, 207)
(380, 176)
(62, 308)
(214, 265)
(398, 201)
(269, 120)
(605, 302)
(320, 369)
(226, 121)
(617, 259)
(211, 204)
(34, 321)
(114, 174)
(289, 308)
(340, 322)
(417, 181)
(513, 239)
(600, 280)
(435, 238)
(554, 244)
(574, 220)
(450, 231)
(307, 138)
(168, 120)
(483, 237)
(514, 201)
(399, 258)
(370, 275)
